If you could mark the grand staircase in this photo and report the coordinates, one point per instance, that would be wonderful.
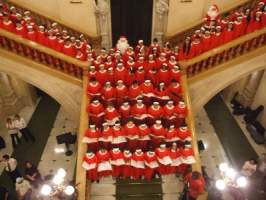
(63, 67)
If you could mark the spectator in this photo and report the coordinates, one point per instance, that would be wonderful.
(3, 193)
(13, 132)
(23, 189)
(11, 167)
(196, 184)
(32, 174)
(249, 167)
(21, 125)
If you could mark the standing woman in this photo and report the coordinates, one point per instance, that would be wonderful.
(13, 132)
(21, 125)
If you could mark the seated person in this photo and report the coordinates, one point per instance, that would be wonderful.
(32, 174)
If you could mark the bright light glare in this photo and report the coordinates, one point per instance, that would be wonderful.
(69, 190)
(223, 167)
(241, 181)
(46, 190)
(61, 172)
(58, 180)
(59, 150)
(220, 184)
(231, 173)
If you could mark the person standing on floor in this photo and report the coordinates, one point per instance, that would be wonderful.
(196, 184)
(13, 132)
(11, 167)
(23, 189)
(21, 125)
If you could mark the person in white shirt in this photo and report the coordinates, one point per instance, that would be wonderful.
(23, 189)
(11, 167)
(21, 125)
(13, 132)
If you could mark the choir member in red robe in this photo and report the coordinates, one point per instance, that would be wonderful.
(130, 64)
(158, 133)
(109, 63)
(144, 136)
(125, 112)
(120, 72)
(119, 138)
(152, 75)
(69, 49)
(228, 33)
(141, 63)
(104, 167)
(101, 74)
(92, 72)
(140, 75)
(181, 110)
(111, 115)
(169, 113)
(155, 45)
(91, 138)
(103, 55)
(151, 165)
(164, 159)
(139, 110)
(111, 75)
(196, 184)
(239, 27)
(51, 40)
(128, 53)
(217, 37)
(41, 36)
(175, 73)
(161, 60)
(171, 136)
(108, 92)
(121, 93)
(164, 74)
(89, 163)
(137, 163)
(196, 48)
(172, 62)
(132, 134)
(97, 62)
(175, 156)
(147, 91)
(167, 50)
(80, 46)
(96, 112)
(127, 168)
(80, 56)
(94, 88)
(106, 136)
(21, 30)
(207, 40)
(184, 134)
(8, 24)
(187, 154)
(139, 47)
(117, 161)
(162, 93)
(151, 63)
(155, 111)
(134, 91)
(31, 34)
(174, 91)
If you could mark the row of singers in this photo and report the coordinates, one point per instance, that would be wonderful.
(134, 136)
(138, 164)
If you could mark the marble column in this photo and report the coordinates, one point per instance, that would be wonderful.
(103, 16)
(160, 18)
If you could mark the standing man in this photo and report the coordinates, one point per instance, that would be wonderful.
(196, 184)
(11, 167)
(20, 124)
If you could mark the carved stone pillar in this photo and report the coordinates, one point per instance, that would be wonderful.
(160, 18)
(10, 102)
(103, 16)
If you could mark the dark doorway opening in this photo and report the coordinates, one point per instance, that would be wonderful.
(133, 19)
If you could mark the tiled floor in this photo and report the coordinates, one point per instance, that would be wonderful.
(26, 113)
(51, 161)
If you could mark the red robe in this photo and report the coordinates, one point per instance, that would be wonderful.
(169, 112)
(181, 111)
(139, 76)
(184, 134)
(187, 156)
(164, 76)
(175, 90)
(95, 110)
(160, 62)
(104, 166)
(155, 113)
(195, 49)
(127, 168)
(151, 165)
(101, 76)
(108, 93)
(119, 139)
(164, 160)
(69, 50)
(137, 163)
(196, 187)
(92, 74)
(125, 112)
(151, 65)
(52, 42)
(41, 38)
(175, 75)
(132, 133)
(134, 92)
(9, 26)
(147, 89)
(21, 31)
(90, 165)
(144, 137)
(158, 134)
(106, 137)
(227, 35)
(171, 136)
(120, 74)
(139, 111)
(93, 90)
(121, 92)
(109, 64)
(111, 114)
(117, 161)
(91, 138)
(151, 75)
(176, 158)
(206, 42)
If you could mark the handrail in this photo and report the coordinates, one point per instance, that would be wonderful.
(224, 53)
(47, 19)
(42, 54)
(180, 34)
(82, 148)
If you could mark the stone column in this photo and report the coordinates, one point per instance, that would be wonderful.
(103, 16)
(160, 18)
(10, 101)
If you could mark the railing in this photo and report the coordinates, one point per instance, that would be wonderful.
(224, 53)
(81, 180)
(41, 54)
(191, 124)
(190, 29)
(41, 18)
